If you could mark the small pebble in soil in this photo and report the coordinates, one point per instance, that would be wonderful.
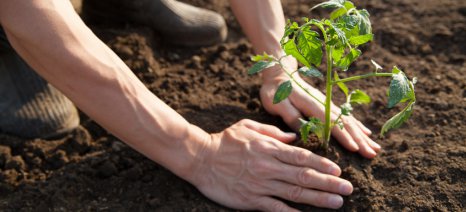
(117, 146)
(5, 155)
(106, 169)
(16, 163)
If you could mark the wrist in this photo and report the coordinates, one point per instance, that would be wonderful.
(288, 63)
(197, 144)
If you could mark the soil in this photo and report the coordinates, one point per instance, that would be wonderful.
(422, 166)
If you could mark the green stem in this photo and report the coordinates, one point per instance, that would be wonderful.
(362, 77)
(328, 99)
(299, 84)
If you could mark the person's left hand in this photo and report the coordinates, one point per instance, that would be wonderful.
(354, 136)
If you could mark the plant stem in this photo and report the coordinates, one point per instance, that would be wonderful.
(299, 84)
(328, 99)
(362, 77)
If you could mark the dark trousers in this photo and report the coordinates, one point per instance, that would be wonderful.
(29, 106)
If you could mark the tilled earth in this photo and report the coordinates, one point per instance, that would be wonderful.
(422, 166)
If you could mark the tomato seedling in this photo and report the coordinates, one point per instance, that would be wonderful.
(335, 39)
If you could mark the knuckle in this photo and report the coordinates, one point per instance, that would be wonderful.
(295, 193)
(321, 200)
(305, 176)
(244, 121)
(229, 133)
(263, 147)
(301, 157)
(277, 206)
(260, 167)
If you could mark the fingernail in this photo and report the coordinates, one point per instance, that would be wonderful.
(346, 188)
(291, 134)
(371, 151)
(354, 145)
(334, 171)
(335, 201)
(377, 146)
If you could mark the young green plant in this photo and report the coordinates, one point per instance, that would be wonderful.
(336, 41)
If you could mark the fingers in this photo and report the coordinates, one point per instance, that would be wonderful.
(289, 114)
(270, 131)
(345, 139)
(271, 204)
(302, 195)
(310, 178)
(300, 157)
(361, 139)
(366, 130)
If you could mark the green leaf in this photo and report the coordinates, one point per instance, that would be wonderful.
(260, 66)
(337, 53)
(359, 97)
(283, 92)
(341, 85)
(361, 39)
(290, 29)
(338, 12)
(263, 57)
(335, 31)
(349, 58)
(364, 22)
(314, 125)
(310, 72)
(346, 109)
(290, 48)
(330, 4)
(349, 25)
(399, 90)
(310, 46)
(342, 10)
(397, 120)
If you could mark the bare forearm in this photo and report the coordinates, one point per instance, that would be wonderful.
(263, 23)
(57, 44)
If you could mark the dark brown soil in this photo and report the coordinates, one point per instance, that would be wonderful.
(422, 166)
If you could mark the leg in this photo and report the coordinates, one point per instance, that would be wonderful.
(30, 107)
(177, 22)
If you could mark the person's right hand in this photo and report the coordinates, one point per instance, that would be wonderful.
(249, 164)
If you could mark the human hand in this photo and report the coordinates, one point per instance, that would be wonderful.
(354, 136)
(248, 164)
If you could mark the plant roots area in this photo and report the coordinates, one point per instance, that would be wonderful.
(422, 165)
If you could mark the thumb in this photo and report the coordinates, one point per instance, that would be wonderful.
(271, 131)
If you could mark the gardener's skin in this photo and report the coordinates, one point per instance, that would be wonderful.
(241, 167)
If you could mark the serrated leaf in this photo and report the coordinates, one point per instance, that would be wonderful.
(310, 46)
(338, 12)
(314, 125)
(364, 22)
(377, 66)
(399, 90)
(260, 66)
(263, 57)
(349, 58)
(341, 85)
(397, 120)
(347, 5)
(346, 109)
(349, 25)
(330, 4)
(290, 48)
(337, 53)
(310, 72)
(283, 91)
(359, 97)
(361, 39)
(335, 31)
